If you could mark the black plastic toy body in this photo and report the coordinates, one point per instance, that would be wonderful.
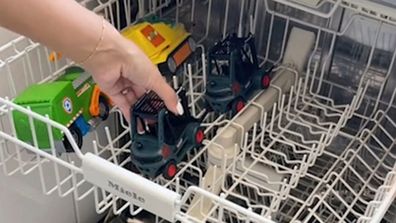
(161, 139)
(233, 74)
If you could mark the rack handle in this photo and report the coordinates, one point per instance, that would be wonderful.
(131, 187)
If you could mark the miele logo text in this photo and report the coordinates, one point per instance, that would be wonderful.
(128, 193)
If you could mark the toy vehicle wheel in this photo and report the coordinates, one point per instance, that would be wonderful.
(199, 136)
(237, 105)
(104, 108)
(170, 170)
(77, 136)
(265, 81)
(192, 43)
(171, 64)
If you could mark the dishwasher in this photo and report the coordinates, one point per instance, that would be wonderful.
(318, 145)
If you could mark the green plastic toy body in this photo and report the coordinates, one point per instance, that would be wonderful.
(71, 100)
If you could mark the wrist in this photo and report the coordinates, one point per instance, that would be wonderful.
(106, 49)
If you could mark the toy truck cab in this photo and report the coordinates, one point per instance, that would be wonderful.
(160, 139)
(166, 44)
(233, 74)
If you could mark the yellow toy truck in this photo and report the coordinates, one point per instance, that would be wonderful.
(167, 45)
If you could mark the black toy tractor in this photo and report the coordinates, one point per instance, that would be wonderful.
(233, 74)
(161, 139)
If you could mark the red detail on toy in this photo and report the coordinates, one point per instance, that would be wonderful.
(236, 87)
(199, 136)
(166, 151)
(240, 105)
(182, 54)
(172, 170)
(265, 81)
(153, 36)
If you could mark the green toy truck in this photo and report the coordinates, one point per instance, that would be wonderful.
(72, 100)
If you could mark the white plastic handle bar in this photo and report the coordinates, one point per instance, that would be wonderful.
(131, 187)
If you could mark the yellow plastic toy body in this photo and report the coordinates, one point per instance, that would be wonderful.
(163, 43)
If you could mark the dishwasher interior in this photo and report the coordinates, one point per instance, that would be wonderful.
(319, 145)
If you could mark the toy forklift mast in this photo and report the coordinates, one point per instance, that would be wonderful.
(243, 46)
(149, 106)
(233, 74)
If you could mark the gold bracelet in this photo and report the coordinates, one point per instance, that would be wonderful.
(97, 44)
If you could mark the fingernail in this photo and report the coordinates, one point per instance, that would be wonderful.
(141, 131)
(146, 126)
(179, 108)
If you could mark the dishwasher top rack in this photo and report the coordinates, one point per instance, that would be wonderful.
(323, 150)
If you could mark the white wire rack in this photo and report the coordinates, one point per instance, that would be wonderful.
(322, 149)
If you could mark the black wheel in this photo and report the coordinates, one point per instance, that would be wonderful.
(237, 105)
(265, 81)
(77, 136)
(192, 44)
(170, 170)
(104, 108)
(171, 64)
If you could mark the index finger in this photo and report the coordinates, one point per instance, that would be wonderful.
(165, 92)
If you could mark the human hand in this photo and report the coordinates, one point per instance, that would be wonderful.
(125, 73)
(119, 67)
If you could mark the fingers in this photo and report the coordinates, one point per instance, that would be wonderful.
(140, 128)
(123, 104)
(126, 97)
(139, 91)
(166, 93)
(142, 72)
